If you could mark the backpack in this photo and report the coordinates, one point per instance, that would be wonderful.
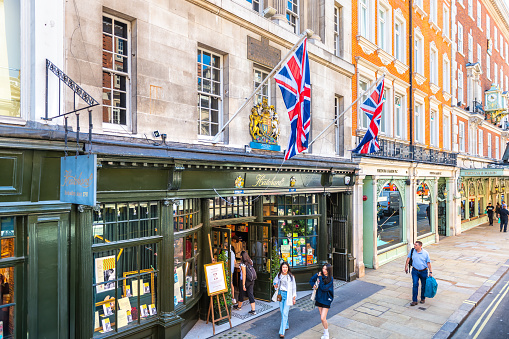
(250, 272)
(431, 287)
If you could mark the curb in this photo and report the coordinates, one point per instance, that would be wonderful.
(459, 316)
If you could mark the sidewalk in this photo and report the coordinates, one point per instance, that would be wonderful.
(466, 268)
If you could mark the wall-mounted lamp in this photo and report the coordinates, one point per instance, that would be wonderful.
(269, 12)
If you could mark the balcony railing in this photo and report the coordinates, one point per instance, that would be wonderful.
(393, 150)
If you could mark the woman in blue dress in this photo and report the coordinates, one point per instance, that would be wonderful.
(324, 285)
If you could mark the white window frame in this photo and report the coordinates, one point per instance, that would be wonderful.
(433, 132)
(460, 38)
(338, 102)
(433, 64)
(461, 88)
(419, 124)
(419, 53)
(211, 95)
(495, 37)
(364, 122)
(488, 26)
(495, 73)
(481, 143)
(399, 116)
(266, 85)
(479, 15)
(365, 25)
(337, 31)
(445, 22)
(446, 78)
(488, 66)
(293, 14)
(501, 44)
(384, 27)
(401, 53)
(112, 126)
(479, 55)
(470, 48)
(386, 118)
(506, 52)
(433, 9)
(490, 150)
(461, 136)
(497, 147)
(470, 9)
(447, 132)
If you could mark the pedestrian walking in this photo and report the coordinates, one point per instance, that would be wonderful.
(286, 294)
(324, 295)
(247, 280)
(489, 210)
(504, 213)
(418, 259)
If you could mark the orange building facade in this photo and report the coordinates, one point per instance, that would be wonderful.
(436, 122)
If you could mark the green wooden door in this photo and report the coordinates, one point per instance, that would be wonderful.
(260, 245)
(48, 268)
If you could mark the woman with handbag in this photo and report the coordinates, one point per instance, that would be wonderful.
(323, 283)
(246, 282)
(286, 294)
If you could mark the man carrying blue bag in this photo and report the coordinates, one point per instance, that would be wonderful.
(418, 259)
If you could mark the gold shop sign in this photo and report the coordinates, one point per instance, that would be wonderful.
(263, 180)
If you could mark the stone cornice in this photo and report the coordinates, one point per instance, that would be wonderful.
(367, 46)
(400, 66)
(419, 78)
(384, 56)
(434, 87)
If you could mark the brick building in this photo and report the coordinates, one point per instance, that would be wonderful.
(480, 84)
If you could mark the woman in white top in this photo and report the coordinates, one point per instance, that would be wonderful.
(284, 284)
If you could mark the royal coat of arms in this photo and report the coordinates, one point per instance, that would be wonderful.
(264, 127)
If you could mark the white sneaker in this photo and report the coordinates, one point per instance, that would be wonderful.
(325, 336)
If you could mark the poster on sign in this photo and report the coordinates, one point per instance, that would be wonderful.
(78, 179)
(215, 278)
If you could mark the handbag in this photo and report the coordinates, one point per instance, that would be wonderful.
(279, 296)
(315, 287)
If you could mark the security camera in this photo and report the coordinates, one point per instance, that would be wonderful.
(156, 134)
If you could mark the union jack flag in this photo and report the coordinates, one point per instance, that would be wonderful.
(372, 106)
(294, 81)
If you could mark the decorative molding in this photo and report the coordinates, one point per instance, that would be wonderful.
(384, 56)
(446, 95)
(446, 39)
(419, 10)
(367, 46)
(400, 66)
(433, 100)
(419, 78)
(434, 27)
(434, 87)
(175, 177)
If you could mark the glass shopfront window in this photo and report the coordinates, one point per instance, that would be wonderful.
(186, 219)
(185, 214)
(10, 59)
(7, 301)
(186, 279)
(125, 274)
(389, 217)
(424, 211)
(295, 227)
(230, 207)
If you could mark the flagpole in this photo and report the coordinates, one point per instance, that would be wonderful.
(344, 111)
(306, 34)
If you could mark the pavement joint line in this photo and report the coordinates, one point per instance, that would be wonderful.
(458, 324)
(490, 281)
(470, 302)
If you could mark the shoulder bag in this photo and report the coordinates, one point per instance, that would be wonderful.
(315, 287)
(411, 261)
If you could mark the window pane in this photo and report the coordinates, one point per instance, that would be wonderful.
(120, 29)
(7, 297)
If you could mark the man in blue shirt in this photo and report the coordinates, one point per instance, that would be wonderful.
(421, 267)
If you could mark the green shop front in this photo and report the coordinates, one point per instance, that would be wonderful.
(477, 188)
(132, 265)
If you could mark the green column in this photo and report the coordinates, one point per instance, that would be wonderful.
(170, 321)
(205, 255)
(322, 229)
(84, 258)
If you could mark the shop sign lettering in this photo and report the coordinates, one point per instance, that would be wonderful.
(263, 180)
(383, 170)
(78, 179)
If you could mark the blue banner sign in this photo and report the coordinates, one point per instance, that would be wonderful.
(78, 179)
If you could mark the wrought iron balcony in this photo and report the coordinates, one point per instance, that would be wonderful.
(393, 150)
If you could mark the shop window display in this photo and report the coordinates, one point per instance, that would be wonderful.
(230, 207)
(7, 301)
(125, 278)
(185, 214)
(295, 228)
(424, 211)
(186, 282)
(389, 218)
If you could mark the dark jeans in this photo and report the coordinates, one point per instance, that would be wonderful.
(248, 292)
(503, 224)
(416, 276)
(490, 218)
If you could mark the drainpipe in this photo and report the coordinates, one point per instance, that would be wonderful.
(410, 80)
